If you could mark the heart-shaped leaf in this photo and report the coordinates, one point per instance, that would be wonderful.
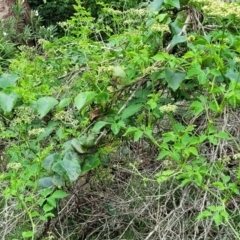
(7, 101)
(7, 80)
(155, 5)
(118, 71)
(72, 169)
(174, 3)
(177, 39)
(49, 160)
(44, 105)
(174, 79)
(63, 103)
(83, 99)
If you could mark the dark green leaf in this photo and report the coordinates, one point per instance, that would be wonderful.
(48, 130)
(174, 3)
(49, 160)
(44, 105)
(90, 162)
(72, 169)
(174, 78)
(63, 103)
(177, 39)
(77, 146)
(98, 126)
(155, 5)
(45, 182)
(131, 110)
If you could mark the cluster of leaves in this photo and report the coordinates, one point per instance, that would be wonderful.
(69, 103)
(53, 11)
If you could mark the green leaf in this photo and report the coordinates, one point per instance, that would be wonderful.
(28, 234)
(204, 214)
(7, 101)
(57, 168)
(131, 110)
(223, 135)
(115, 128)
(52, 202)
(47, 208)
(196, 71)
(193, 150)
(72, 169)
(174, 79)
(102, 98)
(169, 136)
(162, 154)
(44, 105)
(137, 135)
(174, 3)
(130, 130)
(213, 140)
(83, 99)
(185, 182)
(118, 71)
(214, 106)
(161, 56)
(217, 219)
(70, 154)
(77, 146)
(63, 103)
(219, 185)
(225, 178)
(49, 160)
(224, 214)
(45, 182)
(175, 155)
(198, 179)
(176, 26)
(98, 126)
(87, 141)
(90, 162)
(58, 180)
(197, 107)
(59, 194)
(165, 175)
(47, 130)
(7, 80)
(155, 5)
(177, 39)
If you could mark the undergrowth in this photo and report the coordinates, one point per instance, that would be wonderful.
(124, 131)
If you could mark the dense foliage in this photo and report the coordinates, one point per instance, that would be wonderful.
(53, 11)
(123, 131)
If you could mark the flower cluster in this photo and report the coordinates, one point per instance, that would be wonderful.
(35, 131)
(160, 27)
(219, 9)
(236, 156)
(42, 41)
(137, 12)
(105, 69)
(236, 59)
(191, 38)
(113, 11)
(66, 117)
(169, 108)
(14, 165)
(24, 115)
